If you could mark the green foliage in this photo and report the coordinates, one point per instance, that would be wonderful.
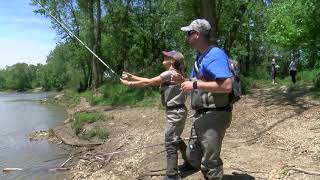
(98, 132)
(118, 95)
(82, 118)
(17, 77)
(316, 79)
(133, 34)
(304, 78)
(292, 22)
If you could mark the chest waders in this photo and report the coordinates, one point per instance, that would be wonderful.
(209, 124)
(176, 114)
(201, 100)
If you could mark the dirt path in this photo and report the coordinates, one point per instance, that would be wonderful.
(271, 130)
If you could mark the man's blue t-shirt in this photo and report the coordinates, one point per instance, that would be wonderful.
(214, 65)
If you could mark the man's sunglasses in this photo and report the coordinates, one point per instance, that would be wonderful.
(189, 33)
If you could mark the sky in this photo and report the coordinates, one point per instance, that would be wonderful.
(24, 36)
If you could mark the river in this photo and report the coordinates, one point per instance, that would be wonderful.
(21, 114)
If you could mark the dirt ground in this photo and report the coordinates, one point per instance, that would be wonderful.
(273, 131)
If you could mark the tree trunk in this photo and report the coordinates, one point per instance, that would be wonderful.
(235, 27)
(95, 82)
(208, 11)
(97, 44)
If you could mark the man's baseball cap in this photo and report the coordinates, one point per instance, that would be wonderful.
(174, 54)
(199, 25)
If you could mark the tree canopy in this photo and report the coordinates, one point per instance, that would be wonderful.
(130, 35)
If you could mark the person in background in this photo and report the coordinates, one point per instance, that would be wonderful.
(293, 70)
(273, 70)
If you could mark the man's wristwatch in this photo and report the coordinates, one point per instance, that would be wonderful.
(195, 85)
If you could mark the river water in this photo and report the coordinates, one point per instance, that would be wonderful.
(21, 114)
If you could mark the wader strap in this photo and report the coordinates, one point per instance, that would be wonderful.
(204, 110)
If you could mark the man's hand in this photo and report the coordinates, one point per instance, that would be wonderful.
(126, 75)
(187, 86)
(177, 78)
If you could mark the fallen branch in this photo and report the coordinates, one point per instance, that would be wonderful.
(61, 166)
(287, 175)
(314, 128)
(59, 169)
(303, 171)
(54, 159)
(109, 158)
(120, 147)
(12, 169)
(274, 147)
(161, 152)
(157, 170)
(246, 171)
(99, 158)
(155, 174)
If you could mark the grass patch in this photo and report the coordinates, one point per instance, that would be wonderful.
(92, 98)
(98, 132)
(304, 78)
(51, 133)
(116, 94)
(82, 118)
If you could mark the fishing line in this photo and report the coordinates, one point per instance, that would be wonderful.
(71, 34)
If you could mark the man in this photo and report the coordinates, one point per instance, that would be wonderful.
(210, 89)
(273, 70)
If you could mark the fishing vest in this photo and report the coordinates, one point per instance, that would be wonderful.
(207, 100)
(171, 95)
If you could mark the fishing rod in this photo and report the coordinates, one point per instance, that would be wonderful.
(71, 34)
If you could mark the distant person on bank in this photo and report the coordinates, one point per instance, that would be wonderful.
(293, 70)
(274, 67)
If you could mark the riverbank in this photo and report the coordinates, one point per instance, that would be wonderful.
(273, 130)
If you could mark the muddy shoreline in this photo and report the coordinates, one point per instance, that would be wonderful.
(271, 132)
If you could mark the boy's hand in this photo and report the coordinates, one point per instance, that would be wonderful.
(187, 86)
(125, 82)
(177, 78)
(126, 75)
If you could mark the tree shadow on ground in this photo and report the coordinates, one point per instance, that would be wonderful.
(275, 98)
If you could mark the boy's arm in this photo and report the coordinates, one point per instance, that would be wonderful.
(144, 82)
(129, 76)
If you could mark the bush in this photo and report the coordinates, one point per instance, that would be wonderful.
(116, 94)
(81, 118)
(316, 79)
(98, 132)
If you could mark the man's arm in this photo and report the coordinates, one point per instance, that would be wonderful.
(218, 86)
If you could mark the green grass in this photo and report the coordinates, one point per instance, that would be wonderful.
(116, 94)
(304, 78)
(82, 118)
(70, 98)
(98, 132)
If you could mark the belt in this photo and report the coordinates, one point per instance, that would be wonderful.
(175, 107)
(204, 110)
